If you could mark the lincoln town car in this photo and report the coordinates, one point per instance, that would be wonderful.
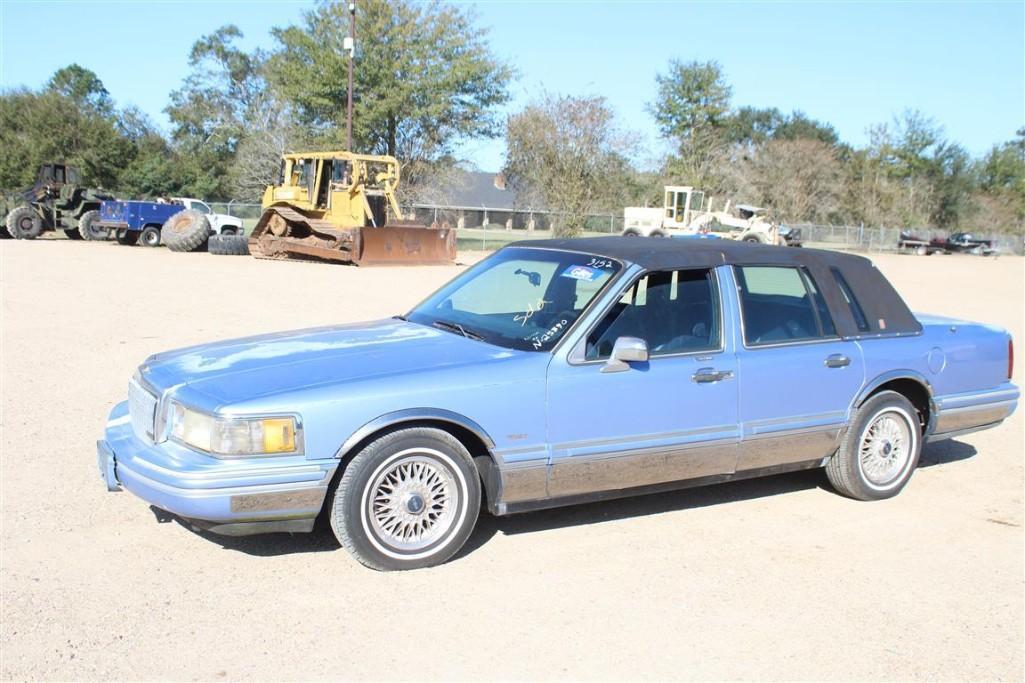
(551, 373)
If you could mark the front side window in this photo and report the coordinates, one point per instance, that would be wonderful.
(781, 304)
(200, 207)
(520, 298)
(673, 311)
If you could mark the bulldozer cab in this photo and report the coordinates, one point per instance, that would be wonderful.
(682, 204)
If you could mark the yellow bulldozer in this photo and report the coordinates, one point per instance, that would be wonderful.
(340, 206)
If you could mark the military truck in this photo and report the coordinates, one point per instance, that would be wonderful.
(57, 201)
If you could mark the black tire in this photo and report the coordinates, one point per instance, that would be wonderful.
(126, 237)
(849, 470)
(753, 239)
(89, 231)
(73, 234)
(24, 223)
(186, 231)
(4, 234)
(443, 462)
(631, 233)
(657, 233)
(150, 236)
(229, 245)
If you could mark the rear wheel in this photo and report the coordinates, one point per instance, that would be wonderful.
(229, 245)
(126, 237)
(754, 239)
(186, 231)
(407, 500)
(150, 236)
(24, 223)
(88, 230)
(880, 450)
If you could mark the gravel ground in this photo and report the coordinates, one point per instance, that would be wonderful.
(777, 578)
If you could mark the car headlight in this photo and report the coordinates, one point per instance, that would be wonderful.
(222, 435)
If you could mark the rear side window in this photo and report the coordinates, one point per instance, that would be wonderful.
(781, 304)
(859, 315)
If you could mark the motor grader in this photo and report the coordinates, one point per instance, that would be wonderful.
(340, 206)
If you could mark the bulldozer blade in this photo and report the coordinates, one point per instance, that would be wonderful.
(401, 245)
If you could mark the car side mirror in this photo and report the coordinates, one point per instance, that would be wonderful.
(626, 350)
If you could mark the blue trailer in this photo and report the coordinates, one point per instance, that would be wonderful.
(133, 222)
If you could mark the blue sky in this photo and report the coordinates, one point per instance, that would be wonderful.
(852, 64)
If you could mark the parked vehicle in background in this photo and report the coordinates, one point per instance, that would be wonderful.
(966, 242)
(959, 242)
(538, 377)
(687, 212)
(143, 222)
(57, 201)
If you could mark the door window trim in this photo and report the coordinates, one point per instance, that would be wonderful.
(577, 352)
(797, 342)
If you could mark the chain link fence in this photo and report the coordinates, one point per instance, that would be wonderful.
(484, 228)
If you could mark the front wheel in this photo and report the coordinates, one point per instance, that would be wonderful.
(24, 223)
(880, 450)
(407, 500)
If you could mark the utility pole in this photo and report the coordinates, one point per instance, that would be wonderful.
(350, 46)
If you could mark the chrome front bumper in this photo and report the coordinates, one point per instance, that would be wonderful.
(233, 497)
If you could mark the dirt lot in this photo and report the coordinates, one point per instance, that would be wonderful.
(770, 579)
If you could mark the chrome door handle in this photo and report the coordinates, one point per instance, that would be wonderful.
(705, 375)
(837, 360)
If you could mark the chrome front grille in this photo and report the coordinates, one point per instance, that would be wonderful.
(142, 407)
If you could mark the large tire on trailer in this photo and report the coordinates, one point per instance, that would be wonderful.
(229, 245)
(408, 499)
(126, 237)
(24, 223)
(89, 231)
(880, 450)
(73, 234)
(186, 231)
(150, 236)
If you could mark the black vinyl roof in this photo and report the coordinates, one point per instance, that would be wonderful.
(654, 253)
(886, 312)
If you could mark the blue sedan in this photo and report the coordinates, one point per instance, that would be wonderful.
(551, 373)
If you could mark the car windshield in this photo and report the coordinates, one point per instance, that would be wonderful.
(519, 298)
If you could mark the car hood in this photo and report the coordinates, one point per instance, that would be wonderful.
(241, 370)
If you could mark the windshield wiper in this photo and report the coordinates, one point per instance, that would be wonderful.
(456, 327)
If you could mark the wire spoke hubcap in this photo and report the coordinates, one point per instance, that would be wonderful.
(412, 503)
(885, 448)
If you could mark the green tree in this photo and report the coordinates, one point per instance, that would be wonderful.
(425, 77)
(83, 87)
(565, 154)
(692, 98)
(211, 112)
(47, 126)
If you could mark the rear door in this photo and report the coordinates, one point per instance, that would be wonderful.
(797, 377)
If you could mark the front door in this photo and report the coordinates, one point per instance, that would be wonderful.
(797, 377)
(671, 418)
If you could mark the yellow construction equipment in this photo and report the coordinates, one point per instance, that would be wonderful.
(335, 206)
